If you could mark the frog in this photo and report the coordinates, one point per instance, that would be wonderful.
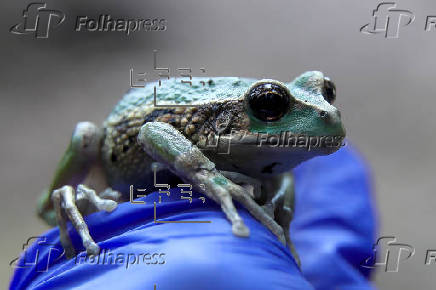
(218, 134)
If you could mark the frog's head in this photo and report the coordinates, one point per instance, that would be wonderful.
(288, 123)
(302, 107)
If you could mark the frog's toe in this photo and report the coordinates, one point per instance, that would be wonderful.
(108, 205)
(88, 194)
(240, 229)
(92, 249)
(109, 193)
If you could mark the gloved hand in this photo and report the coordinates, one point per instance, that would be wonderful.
(335, 222)
(333, 231)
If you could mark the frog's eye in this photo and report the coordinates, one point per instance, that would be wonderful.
(268, 101)
(329, 91)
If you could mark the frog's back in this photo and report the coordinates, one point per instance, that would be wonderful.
(174, 92)
(124, 160)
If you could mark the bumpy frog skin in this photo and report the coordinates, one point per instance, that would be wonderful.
(261, 130)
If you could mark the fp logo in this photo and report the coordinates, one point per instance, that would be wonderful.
(35, 257)
(38, 20)
(391, 254)
(388, 20)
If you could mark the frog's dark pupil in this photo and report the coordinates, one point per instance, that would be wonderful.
(268, 101)
(329, 91)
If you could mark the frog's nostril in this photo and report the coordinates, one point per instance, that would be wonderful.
(323, 114)
(330, 117)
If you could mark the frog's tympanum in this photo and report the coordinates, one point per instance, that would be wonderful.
(231, 138)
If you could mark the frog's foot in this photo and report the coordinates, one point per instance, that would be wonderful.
(84, 193)
(239, 194)
(64, 201)
(168, 146)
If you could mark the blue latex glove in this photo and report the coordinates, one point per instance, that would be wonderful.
(333, 230)
(335, 222)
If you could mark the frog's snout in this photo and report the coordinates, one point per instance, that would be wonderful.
(333, 122)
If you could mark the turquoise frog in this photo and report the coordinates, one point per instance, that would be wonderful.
(259, 129)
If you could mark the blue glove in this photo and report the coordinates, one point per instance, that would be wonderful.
(333, 231)
(335, 222)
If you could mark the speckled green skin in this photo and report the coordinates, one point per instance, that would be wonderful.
(219, 108)
(124, 160)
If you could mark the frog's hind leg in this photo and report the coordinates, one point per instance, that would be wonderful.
(60, 203)
(167, 145)
(73, 167)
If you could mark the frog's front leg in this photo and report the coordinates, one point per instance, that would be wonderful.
(282, 202)
(251, 184)
(168, 146)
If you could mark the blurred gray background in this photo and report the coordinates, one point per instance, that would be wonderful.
(386, 92)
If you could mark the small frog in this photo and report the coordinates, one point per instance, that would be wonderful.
(152, 129)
